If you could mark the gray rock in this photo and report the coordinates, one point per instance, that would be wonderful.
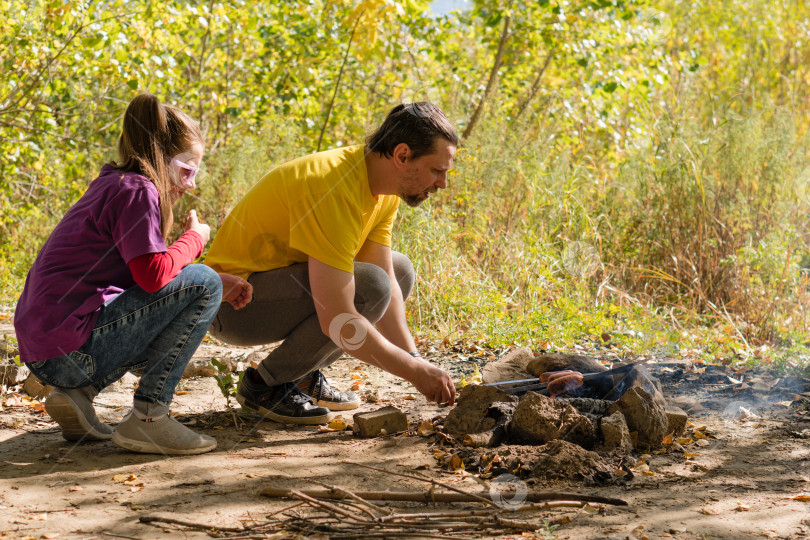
(36, 388)
(645, 417)
(560, 361)
(510, 367)
(474, 411)
(539, 419)
(11, 373)
(615, 433)
(202, 366)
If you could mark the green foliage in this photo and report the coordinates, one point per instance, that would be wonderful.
(227, 383)
(639, 170)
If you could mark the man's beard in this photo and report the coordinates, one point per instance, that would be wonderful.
(411, 200)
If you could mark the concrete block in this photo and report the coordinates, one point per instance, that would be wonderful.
(383, 421)
(677, 419)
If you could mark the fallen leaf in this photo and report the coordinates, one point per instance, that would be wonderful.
(702, 442)
(338, 424)
(456, 462)
(426, 429)
(742, 507)
(690, 454)
(668, 440)
(804, 497)
(125, 477)
(684, 440)
(700, 435)
(439, 454)
(648, 473)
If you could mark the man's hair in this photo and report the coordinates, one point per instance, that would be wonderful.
(419, 125)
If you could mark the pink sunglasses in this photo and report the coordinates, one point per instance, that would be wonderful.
(187, 178)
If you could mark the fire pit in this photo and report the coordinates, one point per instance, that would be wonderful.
(610, 412)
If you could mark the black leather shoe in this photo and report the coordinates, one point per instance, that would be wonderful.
(283, 403)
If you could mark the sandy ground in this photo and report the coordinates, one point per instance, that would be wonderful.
(744, 481)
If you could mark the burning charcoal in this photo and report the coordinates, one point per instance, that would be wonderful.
(645, 417)
(559, 362)
(539, 419)
(594, 409)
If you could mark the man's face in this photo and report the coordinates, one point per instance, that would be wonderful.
(426, 174)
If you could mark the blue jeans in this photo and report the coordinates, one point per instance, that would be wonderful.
(155, 331)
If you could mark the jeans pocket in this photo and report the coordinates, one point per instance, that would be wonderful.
(73, 370)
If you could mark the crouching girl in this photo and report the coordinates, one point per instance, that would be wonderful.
(106, 296)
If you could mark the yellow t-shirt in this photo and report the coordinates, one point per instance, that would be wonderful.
(318, 205)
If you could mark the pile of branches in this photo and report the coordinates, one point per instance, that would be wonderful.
(337, 513)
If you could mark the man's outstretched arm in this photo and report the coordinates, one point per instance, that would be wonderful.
(393, 325)
(333, 293)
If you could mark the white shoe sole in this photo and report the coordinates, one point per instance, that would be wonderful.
(146, 447)
(338, 406)
(75, 427)
(306, 420)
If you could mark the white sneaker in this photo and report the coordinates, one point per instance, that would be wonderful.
(164, 436)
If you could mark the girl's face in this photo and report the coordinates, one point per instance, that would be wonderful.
(181, 170)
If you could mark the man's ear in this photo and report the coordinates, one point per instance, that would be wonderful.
(401, 154)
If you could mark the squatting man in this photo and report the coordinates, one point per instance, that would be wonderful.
(313, 238)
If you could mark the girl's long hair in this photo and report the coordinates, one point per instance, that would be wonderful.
(152, 134)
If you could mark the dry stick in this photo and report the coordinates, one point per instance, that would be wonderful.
(432, 482)
(198, 526)
(427, 496)
(351, 495)
(474, 513)
(285, 509)
(331, 507)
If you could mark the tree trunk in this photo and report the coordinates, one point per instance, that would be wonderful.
(492, 82)
(524, 104)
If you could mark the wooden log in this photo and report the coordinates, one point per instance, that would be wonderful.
(430, 496)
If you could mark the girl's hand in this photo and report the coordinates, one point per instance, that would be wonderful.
(236, 291)
(193, 224)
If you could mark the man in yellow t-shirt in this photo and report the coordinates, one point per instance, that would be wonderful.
(313, 237)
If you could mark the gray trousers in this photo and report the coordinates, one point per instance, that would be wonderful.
(283, 309)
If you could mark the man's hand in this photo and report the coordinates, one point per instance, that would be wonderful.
(333, 293)
(434, 383)
(236, 290)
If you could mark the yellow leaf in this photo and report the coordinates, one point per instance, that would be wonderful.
(688, 455)
(426, 428)
(684, 440)
(648, 473)
(700, 435)
(667, 440)
(124, 477)
(338, 424)
(804, 497)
